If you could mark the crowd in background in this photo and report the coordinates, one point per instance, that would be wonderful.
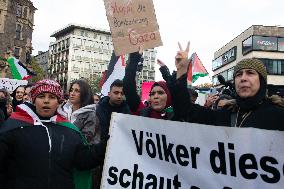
(44, 136)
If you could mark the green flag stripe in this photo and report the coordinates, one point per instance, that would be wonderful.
(195, 76)
(72, 126)
(14, 70)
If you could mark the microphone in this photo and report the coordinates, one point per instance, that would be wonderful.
(230, 90)
(221, 80)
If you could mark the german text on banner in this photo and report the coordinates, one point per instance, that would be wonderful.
(132, 24)
(157, 154)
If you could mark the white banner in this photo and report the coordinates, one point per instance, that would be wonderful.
(11, 84)
(158, 154)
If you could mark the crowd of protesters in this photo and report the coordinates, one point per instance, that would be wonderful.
(47, 141)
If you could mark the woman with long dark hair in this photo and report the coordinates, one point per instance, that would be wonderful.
(18, 95)
(81, 110)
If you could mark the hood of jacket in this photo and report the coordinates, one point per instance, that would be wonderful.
(66, 111)
(26, 113)
(83, 110)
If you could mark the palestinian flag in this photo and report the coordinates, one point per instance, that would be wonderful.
(116, 70)
(195, 70)
(18, 70)
(103, 79)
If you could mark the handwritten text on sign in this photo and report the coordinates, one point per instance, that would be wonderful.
(132, 24)
(11, 84)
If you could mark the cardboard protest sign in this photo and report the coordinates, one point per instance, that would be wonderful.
(11, 84)
(132, 24)
(151, 153)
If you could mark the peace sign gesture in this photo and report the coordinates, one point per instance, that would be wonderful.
(181, 60)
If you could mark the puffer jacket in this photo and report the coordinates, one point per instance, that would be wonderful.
(85, 119)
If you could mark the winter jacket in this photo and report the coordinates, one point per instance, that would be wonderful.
(136, 106)
(37, 153)
(15, 103)
(264, 116)
(85, 119)
(104, 111)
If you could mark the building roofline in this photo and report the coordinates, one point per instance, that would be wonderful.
(249, 28)
(32, 5)
(42, 52)
(73, 26)
(253, 26)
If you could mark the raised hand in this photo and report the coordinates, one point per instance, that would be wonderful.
(181, 60)
(160, 63)
(141, 49)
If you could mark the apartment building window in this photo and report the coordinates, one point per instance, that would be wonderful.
(31, 16)
(265, 43)
(274, 67)
(67, 42)
(217, 63)
(17, 52)
(230, 74)
(18, 31)
(19, 10)
(25, 12)
(281, 44)
(247, 45)
(262, 43)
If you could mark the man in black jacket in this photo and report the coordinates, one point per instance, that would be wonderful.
(252, 108)
(114, 102)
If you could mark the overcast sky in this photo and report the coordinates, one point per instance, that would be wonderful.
(208, 24)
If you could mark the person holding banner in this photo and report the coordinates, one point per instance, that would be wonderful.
(114, 102)
(41, 149)
(252, 108)
(160, 99)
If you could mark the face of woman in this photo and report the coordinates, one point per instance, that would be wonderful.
(158, 98)
(96, 99)
(20, 93)
(74, 94)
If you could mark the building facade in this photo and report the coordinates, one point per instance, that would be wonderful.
(85, 52)
(42, 60)
(16, 27)
(263, 42)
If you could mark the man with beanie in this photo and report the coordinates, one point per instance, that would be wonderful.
(252, 108)
(40, 149)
